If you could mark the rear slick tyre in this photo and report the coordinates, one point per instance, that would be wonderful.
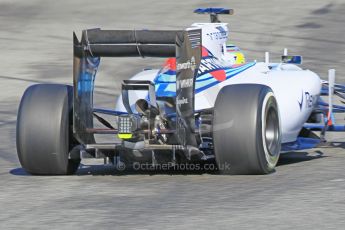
(44, 133)
(246, 130)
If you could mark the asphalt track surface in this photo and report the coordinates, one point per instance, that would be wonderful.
(306, 191)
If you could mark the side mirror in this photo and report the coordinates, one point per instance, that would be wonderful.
(292, 59)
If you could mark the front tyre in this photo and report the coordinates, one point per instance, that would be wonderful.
(44, 136)
(246, 129)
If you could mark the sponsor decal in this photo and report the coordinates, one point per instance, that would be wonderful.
(301, 103)
(182, 101)
(218, 35)
(190, 64)
(185, 83)
(308, 99)
(208, 64)
(211, 65)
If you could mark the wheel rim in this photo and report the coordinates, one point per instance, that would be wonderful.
(271, 132)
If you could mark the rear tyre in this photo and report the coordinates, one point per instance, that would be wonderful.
(246, 130)
(44, 136)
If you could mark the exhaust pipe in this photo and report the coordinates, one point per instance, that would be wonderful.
(146, 108)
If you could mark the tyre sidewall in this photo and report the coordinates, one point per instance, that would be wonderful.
(267, 160)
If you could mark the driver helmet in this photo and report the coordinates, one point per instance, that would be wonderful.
(234, 55)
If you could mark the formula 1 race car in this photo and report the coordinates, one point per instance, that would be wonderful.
(206, 104)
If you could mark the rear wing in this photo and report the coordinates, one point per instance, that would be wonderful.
(185, 45)
(127, 43)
